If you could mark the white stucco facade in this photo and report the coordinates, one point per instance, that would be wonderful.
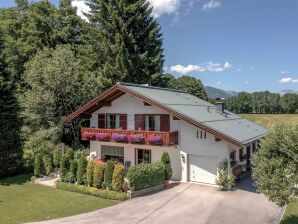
(191, 143)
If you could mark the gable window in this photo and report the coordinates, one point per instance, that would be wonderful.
(201, 135)
(143, 156)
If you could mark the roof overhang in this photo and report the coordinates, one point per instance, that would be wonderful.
(118, 90)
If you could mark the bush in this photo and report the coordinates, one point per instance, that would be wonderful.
(81, 172)
(98, 174)
(146, 175)
(57, 157)
(70, 153)
(38, 165)
(63, 167)
(118, 177)
(47, 160)
(108, 175)
(102, 193)
(89, 172)
(224, 180)
(70, 177)
(165, 159)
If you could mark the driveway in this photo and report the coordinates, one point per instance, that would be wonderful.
(188, 203)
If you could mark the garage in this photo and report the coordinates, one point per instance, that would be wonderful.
(202, 169)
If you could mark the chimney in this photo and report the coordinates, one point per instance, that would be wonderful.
(220, 107)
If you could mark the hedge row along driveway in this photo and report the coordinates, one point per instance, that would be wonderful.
(21, 201)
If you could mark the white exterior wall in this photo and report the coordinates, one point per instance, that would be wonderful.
(156, 152)
(130, 105)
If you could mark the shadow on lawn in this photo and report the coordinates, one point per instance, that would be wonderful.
(291, 219)
(16, 180)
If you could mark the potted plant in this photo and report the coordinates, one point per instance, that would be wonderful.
(88, 136)
(165, 159)
(225, 180)
(102, 137)
(119, 137)
(155, 139)
(138, 138)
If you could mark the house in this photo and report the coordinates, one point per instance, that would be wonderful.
(136, 123)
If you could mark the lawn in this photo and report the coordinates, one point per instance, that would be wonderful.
(22, 201)
(268, 120)
(291, 214)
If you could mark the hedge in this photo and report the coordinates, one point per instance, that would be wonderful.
(118, 177)
(38, 165)
(57, 157)
(101, 193)
(146, 175)
(89, 172)
(98, 174)
(81, 171)
(165, 159)
(108, 174)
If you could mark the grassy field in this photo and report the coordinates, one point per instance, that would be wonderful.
(21, 201)
(268, 120)
(291, 214)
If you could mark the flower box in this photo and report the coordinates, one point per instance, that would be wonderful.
(102, 137)
(155, 139)
(139, 138)
(88, 136)
(119, 137)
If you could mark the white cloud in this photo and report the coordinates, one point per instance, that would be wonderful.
(219, 82)
(210, 66)
(288, 80)
(161, 7)
(81, 8)
(211, 4)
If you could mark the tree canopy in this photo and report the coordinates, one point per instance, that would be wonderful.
(275, 168)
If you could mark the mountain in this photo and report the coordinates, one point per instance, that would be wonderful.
(219, 93)
(288, 91)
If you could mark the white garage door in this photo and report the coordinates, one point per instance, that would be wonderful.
(202, 169)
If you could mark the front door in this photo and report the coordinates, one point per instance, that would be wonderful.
(248, 158)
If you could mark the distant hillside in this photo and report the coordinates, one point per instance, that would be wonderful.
(219, 93)
(288, 91)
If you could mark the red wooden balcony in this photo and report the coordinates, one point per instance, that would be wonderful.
(130, 136)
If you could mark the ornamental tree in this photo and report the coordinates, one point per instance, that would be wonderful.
(276, 164)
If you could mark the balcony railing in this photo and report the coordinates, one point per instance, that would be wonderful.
(130, 136)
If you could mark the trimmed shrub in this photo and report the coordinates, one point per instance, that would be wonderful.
(98, 174)
(108, 175)
(118, 177)
(57, 157)
(70, 153)
(63, 167)
(146, 175)
(224, 180)
(102, 193)
(38, 165)
(70, 177)
(165, 159)
(81, 172)
(48, 165)
(89, 172)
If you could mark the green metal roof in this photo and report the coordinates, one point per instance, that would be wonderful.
(227, 123)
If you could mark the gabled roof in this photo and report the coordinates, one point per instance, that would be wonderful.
(227, 126)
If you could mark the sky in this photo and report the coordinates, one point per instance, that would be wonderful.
(240, 45)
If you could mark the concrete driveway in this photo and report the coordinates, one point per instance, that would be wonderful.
(188, 203)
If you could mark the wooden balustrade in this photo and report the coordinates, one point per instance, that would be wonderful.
(168, 138)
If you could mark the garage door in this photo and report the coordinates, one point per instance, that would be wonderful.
(202, 169)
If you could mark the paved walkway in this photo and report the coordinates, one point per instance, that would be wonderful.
(188, 203)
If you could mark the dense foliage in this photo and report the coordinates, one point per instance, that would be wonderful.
(89, 172)
(146, 175)
(275, 168)
(38, 165)
(165, 159)
(98, 174)
(262, 102)
(108, 174)
(102, 193)
(118, 177)
(57, 157)
(81, 172)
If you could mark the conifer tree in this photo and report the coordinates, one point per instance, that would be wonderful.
(131, 39)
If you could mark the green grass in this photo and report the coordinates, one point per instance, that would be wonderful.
(22, 201)
(291, 214)
(269, 120)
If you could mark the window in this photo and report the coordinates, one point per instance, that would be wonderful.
(201, 134)
(113, 121)
(113, 153)
(152, 122)
(143, 156)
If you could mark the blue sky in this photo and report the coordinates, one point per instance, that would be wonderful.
(229, 44)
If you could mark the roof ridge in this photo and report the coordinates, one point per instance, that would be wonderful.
(150, 87)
